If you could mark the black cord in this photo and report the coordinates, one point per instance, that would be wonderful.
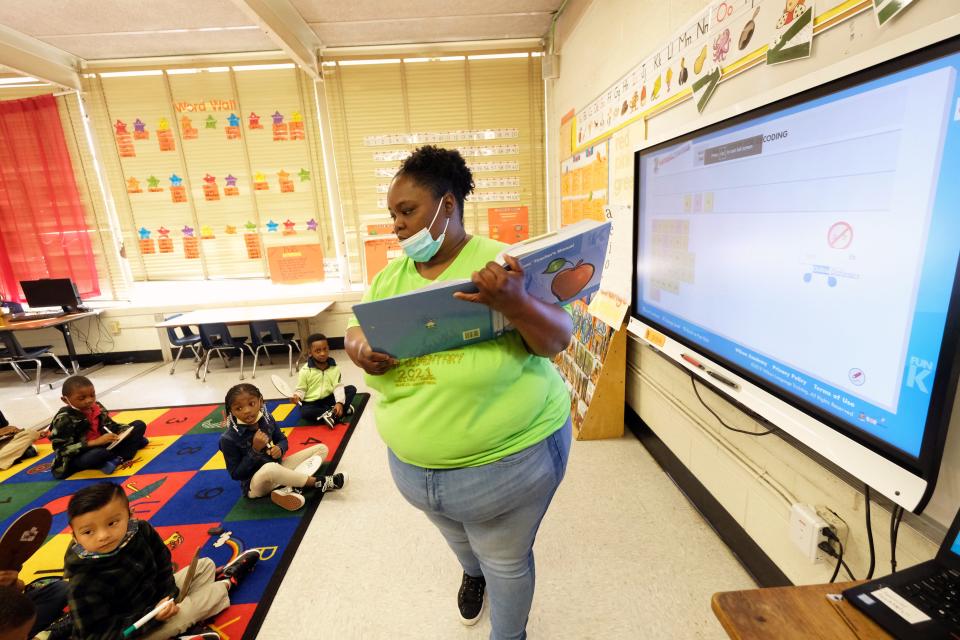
(839, 557)
(873, 555)
(895, 519)
(693, 381)
(827, 548)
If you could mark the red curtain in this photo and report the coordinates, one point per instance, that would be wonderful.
(43, 230)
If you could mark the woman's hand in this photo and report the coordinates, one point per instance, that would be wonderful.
(500, 288)
(544, 327)
(275, 452)
(260, 441)
(373, 362)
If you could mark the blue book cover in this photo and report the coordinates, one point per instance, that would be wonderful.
(427, 320)
(564, 266)
(557, 268)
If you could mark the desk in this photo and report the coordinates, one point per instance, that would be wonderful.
(788, 613)
(242, 315)
(301, 312)
(62, 324)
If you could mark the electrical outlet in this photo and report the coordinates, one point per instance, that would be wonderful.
(115, 327)
(805, 528)
(840, 528)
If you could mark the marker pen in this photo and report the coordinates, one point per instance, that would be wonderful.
(727, 381)
(693, 361)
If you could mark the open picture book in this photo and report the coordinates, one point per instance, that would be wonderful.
(558, 268)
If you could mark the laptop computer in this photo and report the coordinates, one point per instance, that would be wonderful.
(922, 601)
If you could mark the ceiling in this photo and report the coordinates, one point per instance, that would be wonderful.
(111, 29)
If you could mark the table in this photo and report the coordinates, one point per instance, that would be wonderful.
(301, 312)
(62, 324)
(788, 613)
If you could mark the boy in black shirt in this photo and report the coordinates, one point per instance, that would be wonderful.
(120, 569)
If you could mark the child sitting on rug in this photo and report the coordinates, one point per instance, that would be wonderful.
(253, 447)
(322, 396)
(82, 433)
(16, 444)
(119, 570)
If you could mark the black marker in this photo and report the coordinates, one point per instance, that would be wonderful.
(727, 381)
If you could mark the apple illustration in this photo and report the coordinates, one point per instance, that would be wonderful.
(568, 282)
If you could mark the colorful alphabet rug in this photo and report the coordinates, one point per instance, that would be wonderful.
(179, 483)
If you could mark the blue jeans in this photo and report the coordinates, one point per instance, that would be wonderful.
(489, 516)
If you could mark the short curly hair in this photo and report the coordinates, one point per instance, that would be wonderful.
(440, 171)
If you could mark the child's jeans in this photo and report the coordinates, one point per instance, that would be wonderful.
(282, 474)
(311, 411)
(96, 457)
(205, 598)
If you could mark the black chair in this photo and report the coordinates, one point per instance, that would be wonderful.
(216, 338)
(265, 334)
(186, 338)
(13, 354)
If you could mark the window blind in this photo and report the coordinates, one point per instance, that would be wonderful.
(211, 167)
(491, 108)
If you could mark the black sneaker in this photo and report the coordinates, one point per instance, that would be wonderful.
(328, 418)
(332, 483)
(29, 452)
(470, 599)
(199, 631)
(237, 570)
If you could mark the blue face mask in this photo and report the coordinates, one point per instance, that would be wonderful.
(422, 246)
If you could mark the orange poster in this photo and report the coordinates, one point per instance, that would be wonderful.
(252, 242)
(191, 248)
(508, 224)
(378, 252)
(295, 263)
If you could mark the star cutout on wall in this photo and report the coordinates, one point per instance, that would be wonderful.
(175, 180)
(231, 229)
(277, 117)
(304, 175)
(144, 233)
(187, 231)
(311, 224)
(231, 181)
(163, 231)
(272, 226)
(153, 182)
(233, 120)
(250, 226)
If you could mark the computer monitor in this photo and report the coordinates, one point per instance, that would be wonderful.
(51, 292)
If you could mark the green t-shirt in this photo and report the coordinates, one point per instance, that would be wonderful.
(469, 406)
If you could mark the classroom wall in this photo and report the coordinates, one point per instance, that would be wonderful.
(755, 479)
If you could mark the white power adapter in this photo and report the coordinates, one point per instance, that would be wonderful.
(805, 531)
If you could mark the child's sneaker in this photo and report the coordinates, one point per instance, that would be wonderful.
(199, 631)
(332, 483)
(287, 498)
(329, 418)
(237, 570)
(110, 466)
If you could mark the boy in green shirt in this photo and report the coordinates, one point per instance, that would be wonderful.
(319, 389)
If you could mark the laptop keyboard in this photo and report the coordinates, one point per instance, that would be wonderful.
(938, 596)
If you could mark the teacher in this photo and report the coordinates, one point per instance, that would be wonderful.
(478, 437)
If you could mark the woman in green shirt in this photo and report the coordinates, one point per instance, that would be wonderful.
(478, 437)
